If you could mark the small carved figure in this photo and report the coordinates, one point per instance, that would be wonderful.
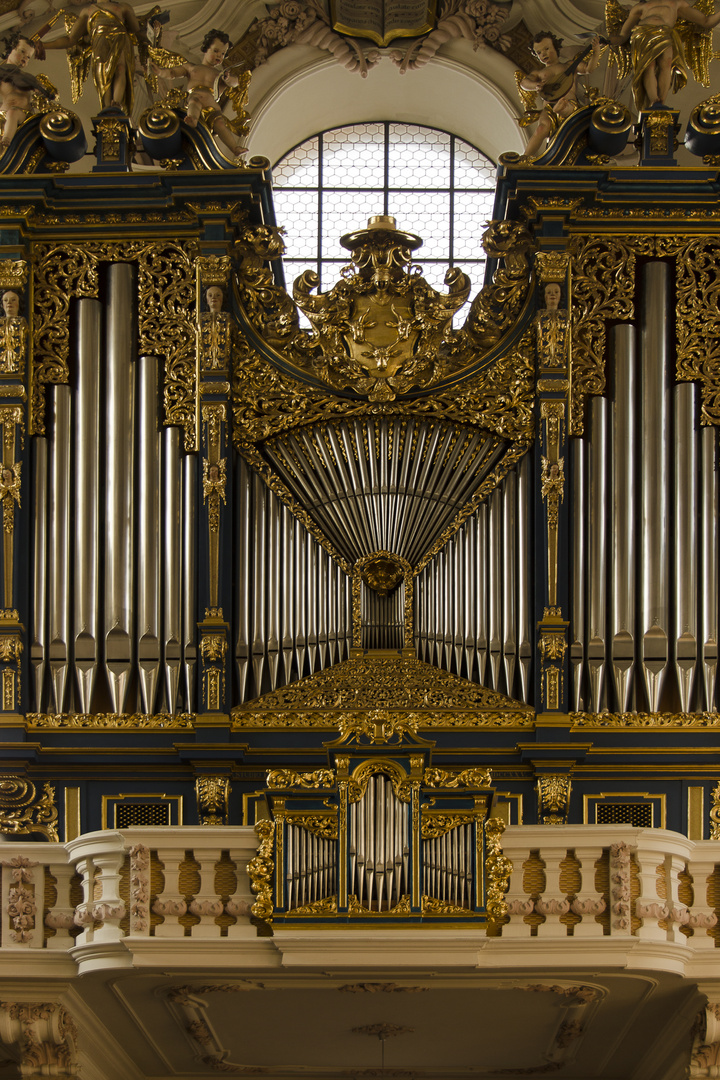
(17, 86)
(661, 45)
(555, 82)
(102, 36)
(552, 329)
(13, 335)
(207, 83)
(216, 330)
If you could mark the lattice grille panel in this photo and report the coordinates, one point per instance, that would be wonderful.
(128, 815)
(639, 815)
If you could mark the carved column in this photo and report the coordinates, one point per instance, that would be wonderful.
(45, 1035)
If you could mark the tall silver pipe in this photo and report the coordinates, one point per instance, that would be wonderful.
(709, 562)
(119, 462)
(189, 580)
(468, 594)
(272, 644)
(622, 610)
(259, 581)
(148, 508)
(311, 601)
(38, 640)
(597, 642)
(243, 556)
(509, 579)
(685, 644)
(578, 451)
(495, 586)
(459, 598)
(288, 595)
(322, 602)
(86, 500)
(301, 539)
(481, 592)
(654, 595)
(172, 568)
(332, 623)
(525, 635)
(59, 562)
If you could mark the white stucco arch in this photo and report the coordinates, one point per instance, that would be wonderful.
(301, 91)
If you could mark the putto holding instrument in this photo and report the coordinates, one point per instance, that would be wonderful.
(556, 84)
(208, 84)
(17, 86)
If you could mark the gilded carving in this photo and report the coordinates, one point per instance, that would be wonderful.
(403, 907)
(109, 721)
(325, 826)
(290, 778)
(437, 699)
(715, 813)
(327, 906)
(261, 869)
(379, 726)
(498, 869)
(432, 906)
(23, 812)
(642, 721)
(603, 290)
(213, 647)
(438, 824)
(553, 798)
(380, 329)
(496, 307)
(13, 345)
(444, 778)
(212, 794)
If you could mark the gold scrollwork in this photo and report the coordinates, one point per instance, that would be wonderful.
(213, 648)
(403, 907)
(603, 289)
(290, 778)
(261, 870)
(432, 906)
(467, 778)
(328, 906)
(324, 825)
(645, 720)
(13, 274)
(715, 813)
(109, 721)
(552, 266)
(436, 824)
(212, 793)
(402, 784)
(379, 725)
(22, 812)
(498, 869)
(553, 798)
(213, 270)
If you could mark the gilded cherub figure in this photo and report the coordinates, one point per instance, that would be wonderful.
(13, 335)
(556, 84)
(662, 41)
(103, 37)
(208, 85)
(17, 86)
(216, 332)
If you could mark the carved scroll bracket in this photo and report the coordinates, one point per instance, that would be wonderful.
(46, 1036)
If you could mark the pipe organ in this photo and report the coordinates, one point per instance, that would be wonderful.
(234, 545)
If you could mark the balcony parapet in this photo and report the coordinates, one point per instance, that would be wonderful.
(150, 896)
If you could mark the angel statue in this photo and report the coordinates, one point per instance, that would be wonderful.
(662, 43)
(556, 83)
(209, 85)
(102, 36)
(17, 86)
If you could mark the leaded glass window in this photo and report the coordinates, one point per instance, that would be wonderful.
(433, 183)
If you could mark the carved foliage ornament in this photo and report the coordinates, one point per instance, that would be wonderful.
(381, 327)
(22, 812)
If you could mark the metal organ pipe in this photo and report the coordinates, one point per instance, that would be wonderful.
(685, 636)
(148, 606)
(654, 604)
(524, 617)
(172, 557)
(709, 562)
(578, 639)
(119, 462)
(59, 544)
(86, 499)
(509, 579)
(597, 629)
(622, 610)
(189, 575)
(38, 643)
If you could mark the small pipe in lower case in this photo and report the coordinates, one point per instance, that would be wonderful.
(685, 643)
(709, 562)
(148, 508)
(59, 544)
(172, 570)
(40, 591)
(597, 613)
(189, 579)
(622, 608)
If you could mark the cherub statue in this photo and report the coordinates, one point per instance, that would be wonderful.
(216, 332)
(656, 37)
(17, 86)
(555, 82)
(13, 335)
(102, 36)
(209, 85)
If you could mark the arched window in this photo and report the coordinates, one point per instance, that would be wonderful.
(433, 183)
